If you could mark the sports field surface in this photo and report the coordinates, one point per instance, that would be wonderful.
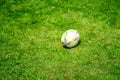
(30, 40)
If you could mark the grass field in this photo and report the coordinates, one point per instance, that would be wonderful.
(30, 34)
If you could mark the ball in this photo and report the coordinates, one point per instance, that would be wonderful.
(70, 38)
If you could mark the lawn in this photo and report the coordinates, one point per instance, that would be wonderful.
(30, 40)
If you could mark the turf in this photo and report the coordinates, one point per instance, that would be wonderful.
(30, 34)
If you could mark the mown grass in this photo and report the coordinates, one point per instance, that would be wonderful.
(30, 33)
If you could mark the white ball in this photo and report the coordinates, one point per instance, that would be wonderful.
(70, 38)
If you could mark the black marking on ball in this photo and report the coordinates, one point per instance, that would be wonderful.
(76, 32)
(65, 41)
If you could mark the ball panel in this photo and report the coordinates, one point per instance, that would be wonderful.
(73, 42)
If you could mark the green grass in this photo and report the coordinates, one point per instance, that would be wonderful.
(30, 34)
